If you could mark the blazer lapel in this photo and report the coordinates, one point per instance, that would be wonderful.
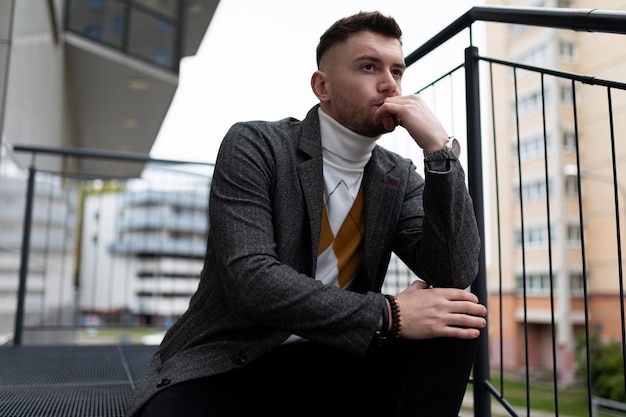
(381, 188)
(311, 176)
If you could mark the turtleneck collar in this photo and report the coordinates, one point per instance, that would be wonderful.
(343, 142)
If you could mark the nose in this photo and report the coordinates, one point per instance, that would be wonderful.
(388, 84)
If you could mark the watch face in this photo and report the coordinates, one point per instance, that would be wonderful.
(454, 146)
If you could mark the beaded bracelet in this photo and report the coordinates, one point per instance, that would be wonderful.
(396, 318)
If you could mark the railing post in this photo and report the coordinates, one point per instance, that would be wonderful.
(21, 292)
(482, 403)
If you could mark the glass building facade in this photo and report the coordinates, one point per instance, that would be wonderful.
(146, 29)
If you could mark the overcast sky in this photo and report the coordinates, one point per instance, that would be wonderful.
(256, 60)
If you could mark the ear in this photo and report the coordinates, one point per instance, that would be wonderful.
(319, 84)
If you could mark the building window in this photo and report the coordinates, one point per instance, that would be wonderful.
(532, 147)
(567, 51)
(117, 28)
(577, 284)
(535, 56)
(567, 95)
(146, 29)
(573, 234)
(537, 237)
(533, 237)
(152, 38)
(93, 32)
(571, 186)
(532, 103)
(535, 284)
(99, 20)
(539, 284)
(535, 191)
(569, 141)
(163, 27)
(516, 30)
(96, 4)
(159, 57)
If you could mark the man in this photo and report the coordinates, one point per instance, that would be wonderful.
(288, 318)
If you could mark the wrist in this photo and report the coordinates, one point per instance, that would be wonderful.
(389, 325)
(395, 322)
(383, 324)
(450, 151)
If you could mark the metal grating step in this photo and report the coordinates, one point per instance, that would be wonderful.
(64, 401)
(69, 381)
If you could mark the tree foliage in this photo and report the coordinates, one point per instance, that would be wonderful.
(606, 366)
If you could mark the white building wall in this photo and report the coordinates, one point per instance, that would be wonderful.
(6, 17)
(36, 106)
(32, 111)
(49, 285)
(117, 275)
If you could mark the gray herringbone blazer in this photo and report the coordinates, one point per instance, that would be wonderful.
(256, 287)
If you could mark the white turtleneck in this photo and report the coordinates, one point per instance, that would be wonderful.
(345, 154)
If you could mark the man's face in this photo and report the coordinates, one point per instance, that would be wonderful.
(359, 74)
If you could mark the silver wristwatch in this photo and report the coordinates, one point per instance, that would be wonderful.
(452, 150)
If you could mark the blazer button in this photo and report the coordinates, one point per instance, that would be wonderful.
(163, 382)
(240, 358)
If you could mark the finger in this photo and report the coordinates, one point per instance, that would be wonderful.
(461, 333)
(388, 123)
(455, 294)
(471, 308)
(467, 321)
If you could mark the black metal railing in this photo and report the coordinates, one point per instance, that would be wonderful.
(549, 192)
(94, 233)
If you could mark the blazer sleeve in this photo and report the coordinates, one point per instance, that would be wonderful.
(443, 246)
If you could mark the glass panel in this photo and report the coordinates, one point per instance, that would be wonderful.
(152, 38)
(168, 8)
(99, 20)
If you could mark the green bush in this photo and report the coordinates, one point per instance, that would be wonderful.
(606, 369)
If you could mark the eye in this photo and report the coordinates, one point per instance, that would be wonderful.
(368, 67)
(397, 73)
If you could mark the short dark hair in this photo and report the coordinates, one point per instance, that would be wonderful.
(363, 21)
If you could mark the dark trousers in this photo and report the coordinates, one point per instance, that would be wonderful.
(408, 378)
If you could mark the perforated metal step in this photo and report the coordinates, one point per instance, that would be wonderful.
(69, 381)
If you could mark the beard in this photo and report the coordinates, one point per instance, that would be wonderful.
(360, 120)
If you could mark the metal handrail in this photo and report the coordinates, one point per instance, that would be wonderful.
(588, 20)
(98, 154)
(34, 150)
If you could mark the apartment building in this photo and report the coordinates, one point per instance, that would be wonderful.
(49, 290)
(523, 134)
(143, 247)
